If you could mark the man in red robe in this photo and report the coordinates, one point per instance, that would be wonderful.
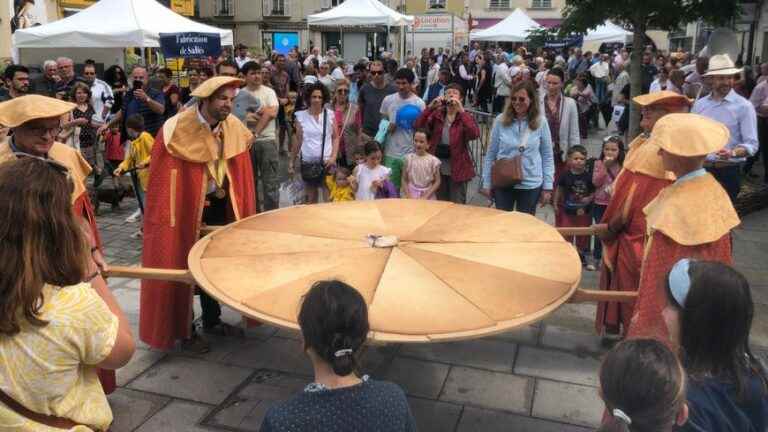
(623, 226)
(691, 218)
(34, 122)
(200, 174)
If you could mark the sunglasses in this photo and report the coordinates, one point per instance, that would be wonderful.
(377, 72)
(514, 99)
(58, 167)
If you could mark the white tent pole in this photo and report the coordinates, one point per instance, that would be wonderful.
(386, 45)
(401, 42)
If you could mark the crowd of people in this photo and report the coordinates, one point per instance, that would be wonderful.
(661, 209)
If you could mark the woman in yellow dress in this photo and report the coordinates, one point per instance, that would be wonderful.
(58, 320)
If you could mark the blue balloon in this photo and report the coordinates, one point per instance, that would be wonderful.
(407, 115)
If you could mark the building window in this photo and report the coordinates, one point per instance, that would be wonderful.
(498, 4)
(275, 8)
(225, 8)
(335, 3)
(541, 4)
(435, 4)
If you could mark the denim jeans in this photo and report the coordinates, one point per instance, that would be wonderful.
(730, 178)
(522, 200)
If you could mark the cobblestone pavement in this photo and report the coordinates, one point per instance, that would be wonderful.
(538, 378)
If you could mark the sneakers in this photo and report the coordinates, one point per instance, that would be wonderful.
(134, 217)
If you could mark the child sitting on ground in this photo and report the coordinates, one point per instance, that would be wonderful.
(421, 173)
(339, 188)
(643, 386)
(573, 199)
(369, 178)
(137, 160)
(606, 170)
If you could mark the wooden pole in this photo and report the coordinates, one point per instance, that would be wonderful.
(591, 296)
(576, 231)
(150, 273)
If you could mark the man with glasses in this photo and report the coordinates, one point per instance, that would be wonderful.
(144, 100)
(35, 121)
(102, 97)
(623, 227)
(726, 106)
(372, 94)
(66, 68)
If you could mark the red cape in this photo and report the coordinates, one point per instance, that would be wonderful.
(175, 200)
(663, 253)
(623, 256)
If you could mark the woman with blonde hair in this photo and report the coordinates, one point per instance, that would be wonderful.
(347, 124)
(58, 319)
(521, 130)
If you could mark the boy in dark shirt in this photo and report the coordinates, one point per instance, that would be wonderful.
(573, 199)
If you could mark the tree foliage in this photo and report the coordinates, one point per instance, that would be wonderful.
(581, 15)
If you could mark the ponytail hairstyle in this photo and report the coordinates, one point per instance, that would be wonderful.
(643, 386)
(334, 324)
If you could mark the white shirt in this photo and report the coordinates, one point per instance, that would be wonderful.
(267, 98)
(365, 178)
(600, 69)
(242, 61)
(337, 74)
(541, 79)
(657, 86)
(101, 100)
(501, 79)
(312, 131)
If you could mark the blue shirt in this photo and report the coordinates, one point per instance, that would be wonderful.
(538, 159)
(691, 175)
(714, 407)
(738, 115)
(152, 120)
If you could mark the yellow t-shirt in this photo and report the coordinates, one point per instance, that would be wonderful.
(336, 193)
(50, 369)
(140, 153)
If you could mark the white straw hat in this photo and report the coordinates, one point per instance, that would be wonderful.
(721, 64)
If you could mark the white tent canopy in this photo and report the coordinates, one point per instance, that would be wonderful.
(360, 13)
(607, 32)
(513, 28)
(113, 24)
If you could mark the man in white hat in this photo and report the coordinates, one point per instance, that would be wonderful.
(726, 106)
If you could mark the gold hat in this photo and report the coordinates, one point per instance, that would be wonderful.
(20, 110)
(689, 135)
(664, 97)
(209, 87)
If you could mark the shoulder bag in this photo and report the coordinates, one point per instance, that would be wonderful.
(313, 171)
(509, 171)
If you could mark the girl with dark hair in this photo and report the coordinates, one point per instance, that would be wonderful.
(709, 314)
(115, 77)
(604, 173)
(484, 85)
(643, 386)
(334, 326)
(521, 130)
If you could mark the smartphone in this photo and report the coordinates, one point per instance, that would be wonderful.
(137, 84)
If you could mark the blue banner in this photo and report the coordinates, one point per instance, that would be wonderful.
(571, 41)
(190, 44)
